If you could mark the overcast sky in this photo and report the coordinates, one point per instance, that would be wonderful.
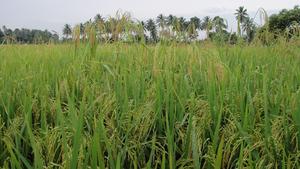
(53, 14)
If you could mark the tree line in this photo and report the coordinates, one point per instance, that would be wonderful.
(123, 27)
(27, 36)
(174, 28)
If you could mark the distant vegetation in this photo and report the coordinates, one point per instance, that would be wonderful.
(123, 27)
(27, 36)
(286, 22)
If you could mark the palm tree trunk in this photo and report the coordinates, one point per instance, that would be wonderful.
(239, 28)
(207, 33)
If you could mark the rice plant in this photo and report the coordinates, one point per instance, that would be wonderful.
(149, 106)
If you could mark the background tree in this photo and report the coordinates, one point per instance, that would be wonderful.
(170, 19)
(1, 36)
(220, 35)
(81, 27)
(183, 24)
(8, 35)
(181, 28)
(67, 31)
(150, 26)
(219, 24)
(249, 27)
(162, 23)
(87, 27)
(196, 21)
(120, 27)
(176, 27)
(206, 25)
(294, 30)
(143, 25)
(241, 15)
(27, 36)
(170, 22)
(280, 22)
(98, 18)
(194, 26)
(55, 37)
(99, 23)
(142, 29)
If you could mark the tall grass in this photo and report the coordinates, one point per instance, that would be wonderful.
(162, 106)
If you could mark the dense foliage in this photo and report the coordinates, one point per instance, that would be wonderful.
(167, 28)
(286, 19)
(27, 36)
(180, 29)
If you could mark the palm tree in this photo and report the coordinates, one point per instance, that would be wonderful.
(86, 26)
(206, 25)
(176, 25)
(98, 19)
(161, 21)
(1, 36)
(67, 31)
(194, 25)
(219, 24)
(183, 24)
(241, 15)
(100, 27)
(196, 21)
(8, 35)
(81, 26)
(248, 27)
(150, 26)
(108, 30)
(180, 27)
(170, 20)
(192, 32)
(113, 27)
(143, 25)
(140, 30)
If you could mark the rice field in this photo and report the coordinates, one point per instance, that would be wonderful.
(150, 106)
